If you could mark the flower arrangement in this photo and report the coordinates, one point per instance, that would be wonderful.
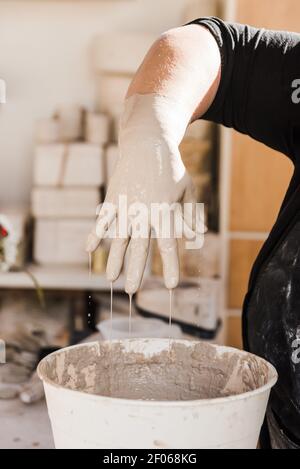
(8, 245)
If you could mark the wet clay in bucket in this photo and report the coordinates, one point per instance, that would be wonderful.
(189, 383)
(181, 373)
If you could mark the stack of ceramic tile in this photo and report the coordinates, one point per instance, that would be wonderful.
(68, 173)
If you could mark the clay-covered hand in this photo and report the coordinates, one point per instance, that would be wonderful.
(149, 171)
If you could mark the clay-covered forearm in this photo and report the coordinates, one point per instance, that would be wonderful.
(184, 65)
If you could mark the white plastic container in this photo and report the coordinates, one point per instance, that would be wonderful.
(153, 393)
(196, 304)
(48, 202)
(59, 241)
(118, 328)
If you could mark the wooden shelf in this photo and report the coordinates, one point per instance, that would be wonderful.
(58, 278)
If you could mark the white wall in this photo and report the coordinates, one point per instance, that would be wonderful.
(44, 58)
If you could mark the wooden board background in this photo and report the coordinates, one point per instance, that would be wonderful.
(259, 175)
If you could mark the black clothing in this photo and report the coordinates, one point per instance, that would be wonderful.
(259, 95)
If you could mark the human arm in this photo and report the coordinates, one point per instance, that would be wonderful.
(175, 84)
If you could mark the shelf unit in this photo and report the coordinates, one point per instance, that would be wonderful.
(58, 278)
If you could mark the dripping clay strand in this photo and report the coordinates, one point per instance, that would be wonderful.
(90, 265)
(130, 314)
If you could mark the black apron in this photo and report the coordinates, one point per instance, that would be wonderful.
(255, 97)
(271, 319)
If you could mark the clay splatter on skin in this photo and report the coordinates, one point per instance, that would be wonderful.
(181, 374)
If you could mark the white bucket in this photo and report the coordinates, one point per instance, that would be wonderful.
(117, 329)
(148, 393)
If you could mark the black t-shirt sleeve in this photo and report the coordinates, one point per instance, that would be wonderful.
(257, 91)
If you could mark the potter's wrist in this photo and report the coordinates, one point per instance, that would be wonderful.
(140, 142)
(154, 116)
(148, 147)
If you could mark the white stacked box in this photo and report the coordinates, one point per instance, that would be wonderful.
(67, 126)
(61, 241)
(77, 164)
(116, 57)
(64, 203)
(67, 174)
(70, 117)
(48, 130)
(64, 217)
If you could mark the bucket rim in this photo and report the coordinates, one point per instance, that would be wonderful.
(159, 403)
